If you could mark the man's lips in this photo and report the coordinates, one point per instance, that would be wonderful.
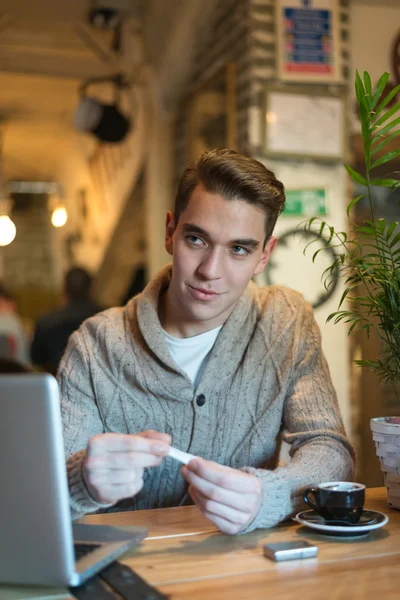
(202, 293)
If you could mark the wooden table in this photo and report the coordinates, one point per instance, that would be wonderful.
(186, 557)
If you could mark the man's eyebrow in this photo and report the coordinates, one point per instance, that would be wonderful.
(246, 242)
(190, 227)
(249, 242)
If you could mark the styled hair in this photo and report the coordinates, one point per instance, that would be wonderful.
(234, 177)
(77, 284)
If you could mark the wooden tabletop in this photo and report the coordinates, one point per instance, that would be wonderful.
(185, 556)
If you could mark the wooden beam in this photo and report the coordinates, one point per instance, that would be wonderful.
(44, 65)
(100, 51)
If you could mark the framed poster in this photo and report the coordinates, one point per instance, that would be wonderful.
(304, 123)
(308, 40)
(211, 113)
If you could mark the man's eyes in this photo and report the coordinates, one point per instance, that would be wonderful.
(240, 250)
(195, 240)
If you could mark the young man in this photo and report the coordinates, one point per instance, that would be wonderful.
(205, 360)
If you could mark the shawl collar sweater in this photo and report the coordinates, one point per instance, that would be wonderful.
(266, 375)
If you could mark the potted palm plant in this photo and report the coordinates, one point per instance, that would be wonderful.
(368, 257)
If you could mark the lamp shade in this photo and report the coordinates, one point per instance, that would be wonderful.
(105, 121)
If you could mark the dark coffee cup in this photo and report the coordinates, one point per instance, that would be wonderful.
(337, 500)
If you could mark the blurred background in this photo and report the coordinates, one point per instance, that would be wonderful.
(104, 103)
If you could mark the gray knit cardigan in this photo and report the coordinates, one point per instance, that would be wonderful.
(266, 376)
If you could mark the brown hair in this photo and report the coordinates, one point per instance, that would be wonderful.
(234, 177)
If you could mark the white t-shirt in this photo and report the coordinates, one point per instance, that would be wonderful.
(191, 354)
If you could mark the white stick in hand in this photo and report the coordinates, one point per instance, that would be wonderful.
(180, 456)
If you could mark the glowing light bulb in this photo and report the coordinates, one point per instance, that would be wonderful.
(59, 216)
(7, 230)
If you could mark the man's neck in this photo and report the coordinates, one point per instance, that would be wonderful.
(175, 322)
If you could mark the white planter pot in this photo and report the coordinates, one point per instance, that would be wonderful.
(387, 443)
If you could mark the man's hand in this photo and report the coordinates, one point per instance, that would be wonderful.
(228, 497)
(114, 464)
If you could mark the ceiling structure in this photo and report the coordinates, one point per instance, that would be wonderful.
(37, 113)
(47, 48)
(53, 37)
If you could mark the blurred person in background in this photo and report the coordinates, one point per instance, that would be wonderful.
(13, 343)
(53, 329)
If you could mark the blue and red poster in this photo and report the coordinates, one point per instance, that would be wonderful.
(307, 39)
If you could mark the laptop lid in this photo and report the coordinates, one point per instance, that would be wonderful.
(35, 521)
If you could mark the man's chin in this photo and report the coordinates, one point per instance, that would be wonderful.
(205, 313)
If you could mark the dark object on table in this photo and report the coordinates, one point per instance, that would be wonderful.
(128, 584)
(125, 582)
(94, 589)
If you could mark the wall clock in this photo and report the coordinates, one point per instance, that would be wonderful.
(289, 266)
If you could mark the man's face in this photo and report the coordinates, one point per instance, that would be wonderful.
(217, 246)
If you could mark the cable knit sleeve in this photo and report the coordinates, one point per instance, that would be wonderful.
(314, 429)
(81, 420)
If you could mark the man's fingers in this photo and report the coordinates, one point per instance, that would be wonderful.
(218, 494)
(156, 435)
(225, 477)
(115, 442)
(121, 460)
(109, 477)
(219, 510)
(113, 493)
(223, 524)
(114, 463)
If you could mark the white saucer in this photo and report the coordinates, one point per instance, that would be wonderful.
(311, 519)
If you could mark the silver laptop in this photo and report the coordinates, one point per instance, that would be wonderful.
(38, 541)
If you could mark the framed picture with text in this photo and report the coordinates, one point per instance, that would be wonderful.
(299, 123)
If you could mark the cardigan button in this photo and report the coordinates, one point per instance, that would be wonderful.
(200, 400)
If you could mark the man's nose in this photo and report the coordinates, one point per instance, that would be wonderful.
(210, 266)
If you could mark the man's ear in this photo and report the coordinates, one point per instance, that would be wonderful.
(266, 254)
(169, 232)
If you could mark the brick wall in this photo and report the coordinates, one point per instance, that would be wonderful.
(243, 32)
(28, 260)
(224, 39)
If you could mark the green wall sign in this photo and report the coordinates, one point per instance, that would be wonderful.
(305, 203)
